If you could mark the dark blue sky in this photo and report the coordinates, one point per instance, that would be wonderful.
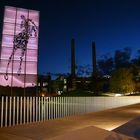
(112, 24)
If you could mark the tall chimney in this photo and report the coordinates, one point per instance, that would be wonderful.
(73, 58)
(73, 75)
(94, 58)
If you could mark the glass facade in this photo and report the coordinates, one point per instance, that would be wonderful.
(19, 48)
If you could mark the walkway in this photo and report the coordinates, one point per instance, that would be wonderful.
(76, 125)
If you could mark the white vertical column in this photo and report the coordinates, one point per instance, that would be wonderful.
(85, 104)
(54, 108)
(74, 105)
(42, 108)
(71, 105)
(80, 100)
(2, 107)
(47, 114)
(20, 110)
(71, 111)
(6, 104)
(66, 102)
(62, 106)
(44, 100)
(78, 106)
(39, 108)
(27, 110)
(36, 109)
(63, 101)
(68, 106)
(33, 109)
(58, 107)
(88, 104)
(65, 105)
(10, 106)
(13, 111)
(91, 104)
(17, 110)
(56, 104)
(30, 106)
(24, 109)
(49, 104)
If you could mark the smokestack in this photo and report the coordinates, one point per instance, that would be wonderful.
(73, 75)
(73, 58)
(94, 58)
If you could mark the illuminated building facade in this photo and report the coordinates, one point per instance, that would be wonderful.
(19, 48)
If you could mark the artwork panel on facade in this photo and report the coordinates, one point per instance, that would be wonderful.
(8, 28)
(31, 80)
(21, 12)
(3, 64)
(10, 14)
(5, 82)
(34, 16)
(31, 55)
(31, 67)
(19, 50)
(7, 40)
(5, 52)
(32, 44)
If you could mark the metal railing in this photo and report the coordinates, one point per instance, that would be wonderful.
(24, 110)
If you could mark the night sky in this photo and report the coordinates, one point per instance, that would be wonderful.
(112, 24)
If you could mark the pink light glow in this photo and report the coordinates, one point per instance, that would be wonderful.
(11, 27)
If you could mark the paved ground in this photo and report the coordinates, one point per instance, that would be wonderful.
(132, 128)
(108, 120)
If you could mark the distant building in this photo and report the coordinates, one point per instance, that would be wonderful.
(44, 85)
(49, 87)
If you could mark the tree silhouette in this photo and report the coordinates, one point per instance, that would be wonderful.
(106, 65)
(83, 70)
(122, 81)
(122, 58)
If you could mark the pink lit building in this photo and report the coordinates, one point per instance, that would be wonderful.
(19, 48)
